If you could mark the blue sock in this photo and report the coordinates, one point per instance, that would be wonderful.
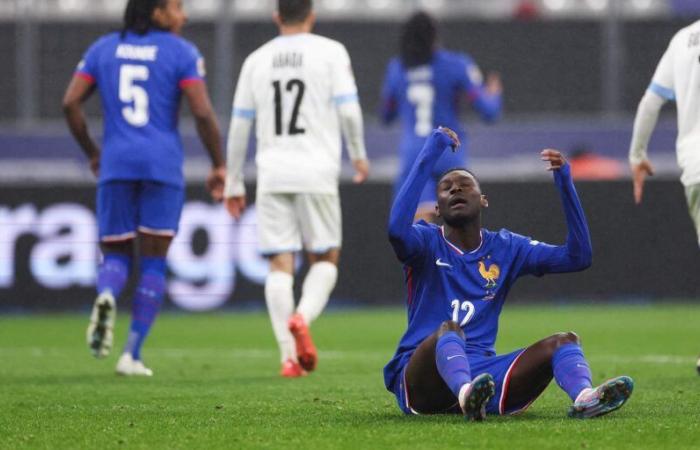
(147, 301)
(113, 273)
(452, 362)
(571, 369)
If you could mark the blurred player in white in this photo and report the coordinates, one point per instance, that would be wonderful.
(300, 91)
(677, 77)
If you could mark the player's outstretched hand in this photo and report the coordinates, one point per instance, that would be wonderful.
(639, 174)
(361, 170)
(235, 206)
(493, 85)
(554, 157)
(215, 183)
(445, 137)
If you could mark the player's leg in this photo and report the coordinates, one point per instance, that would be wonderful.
(117, 229)
(692, 195)
(160, 206)
(321, 229)
(560, 356)
(438, 378)
(279, 238)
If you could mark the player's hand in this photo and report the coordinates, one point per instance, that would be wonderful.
(235, 206)
(446, 137)
(639, 174)
(95, 165)
(493, 84)
(554, 157)
(361, 170)
(215, 182)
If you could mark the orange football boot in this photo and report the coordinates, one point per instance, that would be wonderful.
(306, 350)
(292, 369)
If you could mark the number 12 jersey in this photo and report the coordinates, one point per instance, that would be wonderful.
(291, 87)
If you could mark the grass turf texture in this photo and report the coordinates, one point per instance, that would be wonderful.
(216, 385)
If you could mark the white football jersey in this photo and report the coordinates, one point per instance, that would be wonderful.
(677, 77)
(291, 86)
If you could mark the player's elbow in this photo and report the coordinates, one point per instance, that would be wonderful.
(583, 260)
(69, 106)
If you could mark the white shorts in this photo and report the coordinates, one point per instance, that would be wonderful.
(290, 222)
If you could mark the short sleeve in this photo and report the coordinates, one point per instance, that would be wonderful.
(192, 68)
(88, 65)
(243, 101)
(344, 88)
(662, 82)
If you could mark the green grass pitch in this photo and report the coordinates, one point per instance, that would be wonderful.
(216, 385)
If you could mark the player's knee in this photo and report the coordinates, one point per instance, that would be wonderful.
(564, 338)
(448, 326)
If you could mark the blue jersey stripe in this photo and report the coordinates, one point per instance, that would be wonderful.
(340, 99)
(245, 113)
(661, 91)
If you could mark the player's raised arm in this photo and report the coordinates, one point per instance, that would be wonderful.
(208, 130)
(577, 253)
(79, 90)
(403, 237)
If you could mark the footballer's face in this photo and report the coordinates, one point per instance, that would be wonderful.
(170, 16)
(459, 198)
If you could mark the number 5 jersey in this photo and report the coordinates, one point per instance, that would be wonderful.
(139, 78)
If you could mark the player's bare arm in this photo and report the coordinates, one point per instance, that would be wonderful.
(78, 91)
(361, 170)
(208, 130)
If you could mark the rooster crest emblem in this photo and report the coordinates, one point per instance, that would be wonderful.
(490, 275)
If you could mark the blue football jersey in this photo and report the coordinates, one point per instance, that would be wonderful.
(445, 283)
(139, 78)
(425, 97)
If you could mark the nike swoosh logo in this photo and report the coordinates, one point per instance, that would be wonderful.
(439, 262)
(455, 356)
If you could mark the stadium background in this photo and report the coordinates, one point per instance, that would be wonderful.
(573, 72)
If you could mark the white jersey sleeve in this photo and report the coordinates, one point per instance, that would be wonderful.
(344, 87)
(662, 83)
(677, 77)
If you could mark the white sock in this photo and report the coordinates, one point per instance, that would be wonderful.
(279, 297)
(318, 284)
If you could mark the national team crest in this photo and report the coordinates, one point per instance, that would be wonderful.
(490, 274)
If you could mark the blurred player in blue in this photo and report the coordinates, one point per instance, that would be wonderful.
(424, 86)
(458, 276)
(141, 74)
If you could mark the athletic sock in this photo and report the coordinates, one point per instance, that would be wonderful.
(571, 369)
(147, 300)
(113, 273)
(452, 362)
(279, 297)
(316, 290)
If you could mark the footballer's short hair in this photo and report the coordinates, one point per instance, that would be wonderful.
(418, 39)
(138, 13)
(459, 169)
(293, 11)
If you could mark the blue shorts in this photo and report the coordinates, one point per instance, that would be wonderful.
(125, 207)
(499, 367)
